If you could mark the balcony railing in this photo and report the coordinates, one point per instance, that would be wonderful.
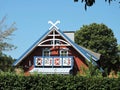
(53, 61)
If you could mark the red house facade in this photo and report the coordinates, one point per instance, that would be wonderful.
(56, 53)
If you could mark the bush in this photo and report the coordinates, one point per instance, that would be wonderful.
(9, 81)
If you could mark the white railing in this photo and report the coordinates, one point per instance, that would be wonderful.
(53, 61)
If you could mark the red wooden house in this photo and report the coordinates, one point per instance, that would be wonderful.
(56, 53)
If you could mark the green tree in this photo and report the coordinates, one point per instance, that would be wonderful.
(6, 63)
(119, 51)
(119, 48)
(5, 33)
(91, 2)
(99, 38)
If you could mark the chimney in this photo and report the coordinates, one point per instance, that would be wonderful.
(69, 34)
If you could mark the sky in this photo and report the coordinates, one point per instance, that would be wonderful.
(32, 16)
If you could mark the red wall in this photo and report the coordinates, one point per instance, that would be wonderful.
(78, 59)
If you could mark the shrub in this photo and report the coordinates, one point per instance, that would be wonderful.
(9, 81)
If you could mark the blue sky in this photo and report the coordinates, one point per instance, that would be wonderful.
(32, 16)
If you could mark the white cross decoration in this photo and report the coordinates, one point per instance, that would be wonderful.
(53, 24)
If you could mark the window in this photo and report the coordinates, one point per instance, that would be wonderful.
(57, 42)
(30, 64)
(63, 52)
(52, 42)
(46, 52)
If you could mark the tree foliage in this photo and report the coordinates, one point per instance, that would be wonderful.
(6, 63)
(100, 39)
(10, 81)
(91, 2)
(119, 51)
(119, 48)
(5, 33)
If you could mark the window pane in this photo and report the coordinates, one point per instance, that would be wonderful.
(46, 52)
(57, 42)
(64, 53)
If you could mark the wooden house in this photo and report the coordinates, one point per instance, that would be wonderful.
(55, 52)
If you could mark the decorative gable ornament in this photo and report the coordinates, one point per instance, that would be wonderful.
(53, 24)
(56, 53)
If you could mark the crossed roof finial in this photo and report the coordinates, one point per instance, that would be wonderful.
(53, 24)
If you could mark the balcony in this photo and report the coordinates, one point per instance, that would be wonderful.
(53, 61)
(53, 64)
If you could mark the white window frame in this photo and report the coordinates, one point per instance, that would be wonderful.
(44, 50)
(57, 42)
(61, 53)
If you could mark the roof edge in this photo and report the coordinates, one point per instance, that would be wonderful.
(30, 48)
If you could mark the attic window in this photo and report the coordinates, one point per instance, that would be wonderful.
(63, 52)
(57, 42)
(46, 52)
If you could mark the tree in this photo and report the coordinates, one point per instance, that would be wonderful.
(119, 51)
(91, 2)
(6, 63)
(99, 38)
(119, 48)
(5, 33)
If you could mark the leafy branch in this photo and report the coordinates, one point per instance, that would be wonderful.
(5, 32)
(91, 2)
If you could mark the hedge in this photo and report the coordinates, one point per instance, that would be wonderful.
(57, 82)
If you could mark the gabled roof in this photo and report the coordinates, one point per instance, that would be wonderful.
(97, 55)
(84, 52)
(80, 49)
(31, 48)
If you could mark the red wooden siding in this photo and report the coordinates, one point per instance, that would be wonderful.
(78, 59)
